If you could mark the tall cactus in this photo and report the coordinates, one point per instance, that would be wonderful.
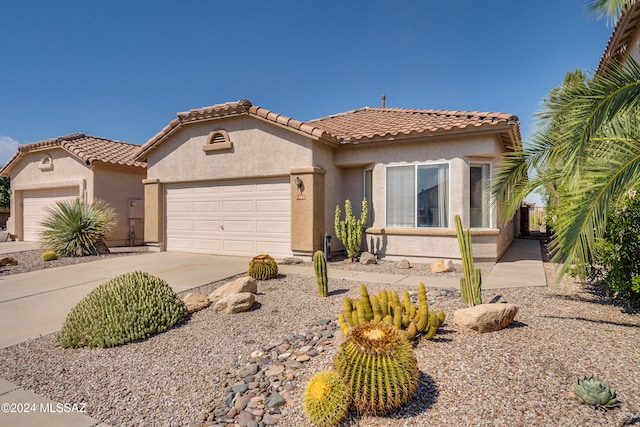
(349, 231)
(471, 282)
(320, 268)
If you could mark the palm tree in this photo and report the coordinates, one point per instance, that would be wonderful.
(587, 151)
(610, 9)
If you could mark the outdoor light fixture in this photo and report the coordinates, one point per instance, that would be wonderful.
(299, 183)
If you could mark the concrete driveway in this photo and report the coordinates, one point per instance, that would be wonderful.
(37, 303)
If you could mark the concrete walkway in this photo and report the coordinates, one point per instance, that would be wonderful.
(36, 303)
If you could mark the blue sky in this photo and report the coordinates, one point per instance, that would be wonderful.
(122, 69)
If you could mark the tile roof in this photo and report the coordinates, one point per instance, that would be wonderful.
(618, 44)
(366, 123)
(87, 148)
(376, 123)
(242, 107)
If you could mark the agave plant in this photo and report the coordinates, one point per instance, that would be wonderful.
(595, 392)
(77, 228)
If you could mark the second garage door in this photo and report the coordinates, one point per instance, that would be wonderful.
(243, 219)
(34, 204)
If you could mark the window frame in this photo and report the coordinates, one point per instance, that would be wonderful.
(486, 194)
(415, 195)
(367, 184)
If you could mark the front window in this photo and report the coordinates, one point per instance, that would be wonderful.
(479, 195)
(418, 196)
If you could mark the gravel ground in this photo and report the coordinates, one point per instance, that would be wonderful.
(520, 376)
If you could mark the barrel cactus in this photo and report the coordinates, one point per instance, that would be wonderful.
(326, 399)
(129, 307)
(320, 268)
(49, 256)
(595, 392)
(379, 367)
(263, 267)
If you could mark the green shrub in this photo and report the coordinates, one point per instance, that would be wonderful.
(617, 259)
(129, 307)
(263, 267)
(77, 228)
(49, 256)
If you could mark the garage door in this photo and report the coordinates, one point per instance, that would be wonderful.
(243, 219)
(34, 203)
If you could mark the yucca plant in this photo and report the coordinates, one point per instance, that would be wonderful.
(77, 228)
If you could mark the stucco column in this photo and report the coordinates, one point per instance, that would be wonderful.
(154, 212)
(307, 209)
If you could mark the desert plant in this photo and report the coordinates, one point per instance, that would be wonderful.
(77, 228)
(263, 267)
(49, 256)
(386, 307)
(320, 268)
(595, 392)
(379, 367)
(471, 282)
(326, 399)
(349, 231)
(129, 307)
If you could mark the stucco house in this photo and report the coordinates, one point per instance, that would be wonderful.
(624, 41)
(238, 179)
(76, 165)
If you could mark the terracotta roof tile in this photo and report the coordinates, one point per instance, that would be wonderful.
(352, 126)
(242, 107)
(86, 148)
(372, 123)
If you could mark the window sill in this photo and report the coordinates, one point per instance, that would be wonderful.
(218, 146)
(447, 232)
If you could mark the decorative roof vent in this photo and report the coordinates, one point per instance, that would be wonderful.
(245, 103)
(217, 140)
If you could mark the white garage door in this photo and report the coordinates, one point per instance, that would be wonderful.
(33, 211)
(243, 219)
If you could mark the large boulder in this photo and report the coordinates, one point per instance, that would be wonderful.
(441, 266)
(368, 258)
(240, 285)
(485, 317)
(235, 303)
(195, 302)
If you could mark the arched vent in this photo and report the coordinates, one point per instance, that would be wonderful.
(218, 140)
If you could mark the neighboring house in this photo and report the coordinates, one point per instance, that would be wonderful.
(76, 165)
(625, 38)
(237, 179)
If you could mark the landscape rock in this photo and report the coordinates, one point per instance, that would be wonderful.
(403, 263)
(485, 317)
(195, 302)
(292, 261)
(235, 303)
(368, 258)
(441, 266)
(8, 261)
(240, 285)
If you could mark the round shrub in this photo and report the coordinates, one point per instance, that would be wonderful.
(263, 267)
(129, 307)
(49, 256)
